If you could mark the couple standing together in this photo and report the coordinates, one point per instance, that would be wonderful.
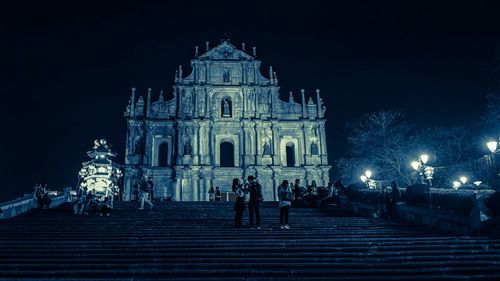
(255, 191)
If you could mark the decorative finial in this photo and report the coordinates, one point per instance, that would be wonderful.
(291, 97)
(254, 51)
(133, 90)
(196, 51)
(207, 46)
(243, 46)
(302, 91)
(149, 91)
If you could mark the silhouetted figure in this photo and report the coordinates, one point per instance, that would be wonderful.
(285, 197)
(331, 198)
(394, 197)
(383, 201)
(296, 192)
(145, 190)
(218, 194)
(340, 190)
(79, 204)
(255, 190)
(211, 194)
(239, 205)
(105, 207)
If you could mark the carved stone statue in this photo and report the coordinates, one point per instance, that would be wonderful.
(226, 112)
(226, 77)
(251, 100)
(314, 149)
(267, 148)
(187, 147)
(139, 145)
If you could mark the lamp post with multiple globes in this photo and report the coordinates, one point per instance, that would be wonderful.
(426, 172)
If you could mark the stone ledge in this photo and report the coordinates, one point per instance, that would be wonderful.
(461, 225)
(21, 205)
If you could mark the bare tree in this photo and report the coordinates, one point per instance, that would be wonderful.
(378, 141)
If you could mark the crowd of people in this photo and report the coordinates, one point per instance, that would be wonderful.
(289, 194)
(41, 195)
(87, 202)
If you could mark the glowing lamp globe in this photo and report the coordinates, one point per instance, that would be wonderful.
(492, 146)
(363, 178)
(463, 180)
(424, 158)
(477, 183)
(415, 165)
(368, 173)
(456, 185)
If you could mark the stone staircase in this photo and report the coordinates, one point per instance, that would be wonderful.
(196, 241)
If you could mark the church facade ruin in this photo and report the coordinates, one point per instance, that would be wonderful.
(225, 120)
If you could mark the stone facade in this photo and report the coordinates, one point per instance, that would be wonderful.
(224, 104)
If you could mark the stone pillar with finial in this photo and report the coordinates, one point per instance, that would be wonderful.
(207, 46)
(254, 53)
(180, 73)
(304, 110)
(148, 103)
(132, 105)
(271, 74)
(195, 51)
(318, 102)
(243, 47)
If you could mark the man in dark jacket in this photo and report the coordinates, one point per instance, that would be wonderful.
(255, 191)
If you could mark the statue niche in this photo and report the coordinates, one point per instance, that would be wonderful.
(139, 145)
(314, 149)
(226, 107)
(187, 147)
(267, 148)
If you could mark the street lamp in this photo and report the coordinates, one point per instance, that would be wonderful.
(463, 179)
(456, 184)
(426, 172)
(366, 178)
(492, 146)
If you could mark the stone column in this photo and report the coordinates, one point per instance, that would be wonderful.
(276, 144)
(196, 142)
(178, 190)
(324, 154)
(196, 186)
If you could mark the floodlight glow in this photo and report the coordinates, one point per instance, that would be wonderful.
(363, 178)
(492, 146)
(368, 173)
(415, 165)
(477, 183)
(463, 179)
(424, 158)
(456, 185)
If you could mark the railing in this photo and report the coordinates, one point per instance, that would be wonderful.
(21, 205)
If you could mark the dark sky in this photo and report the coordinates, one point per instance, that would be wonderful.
(67, 67)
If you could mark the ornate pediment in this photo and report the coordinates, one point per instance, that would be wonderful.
(225, 51)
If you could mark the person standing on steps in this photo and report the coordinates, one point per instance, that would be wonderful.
(239, 205)
(211, 194)
(255, 190)
(105, 207)
(144, 194)
(285, 197)
(217, 194)
(296, 192)
(394, 197)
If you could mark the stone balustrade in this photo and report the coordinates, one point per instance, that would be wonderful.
(21, 205)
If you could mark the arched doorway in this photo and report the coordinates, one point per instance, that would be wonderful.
(226, 154)
(163, 155)
(290, 155)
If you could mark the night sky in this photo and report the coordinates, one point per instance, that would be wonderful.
(67, 67)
